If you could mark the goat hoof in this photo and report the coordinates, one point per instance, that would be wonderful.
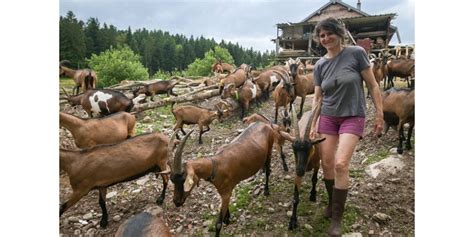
(266, 193)
(104, 223)
(399, 151)
(159, 201)
(292, 225)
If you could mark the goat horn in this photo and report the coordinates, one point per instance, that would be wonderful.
(308, 126)
(295, 123)
(178, 163)
(62, 62)
(65, 92)
(170, 151)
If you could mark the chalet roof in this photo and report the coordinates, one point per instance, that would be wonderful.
(354, 22)
(331, 2)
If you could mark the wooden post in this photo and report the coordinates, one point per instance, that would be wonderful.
(310, 40)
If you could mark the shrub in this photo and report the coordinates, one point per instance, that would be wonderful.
(202, 67)
(117, 64)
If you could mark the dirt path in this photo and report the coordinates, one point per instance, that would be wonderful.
(253, 213)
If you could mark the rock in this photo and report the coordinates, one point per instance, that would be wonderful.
(77, 232)
(207, 223)
(287, 177)
(83, 222)
(116, 218)
(87, 216)
(148, 130)
(163, 116)
(256, 191)
(271, 210)
(381, 218)
(354, 234)
(391, 165)
(179, 229)
(136, 191)
(393, 150)
(308, 227)
(147, 119)
(355, 226)
(289, 213)
(91, 232)
(143, 180)
(242, 218)
(371, 232)
(110, 195)
(73, 219)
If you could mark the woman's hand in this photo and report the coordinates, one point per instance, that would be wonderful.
(378, 125)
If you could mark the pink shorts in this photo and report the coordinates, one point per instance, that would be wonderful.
(338, 125)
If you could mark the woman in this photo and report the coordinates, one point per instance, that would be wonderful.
(338, 89)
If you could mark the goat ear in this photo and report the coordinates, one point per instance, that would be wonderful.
(317, 140)
(188, 183)
(287, 136)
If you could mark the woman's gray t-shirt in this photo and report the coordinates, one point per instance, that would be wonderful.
(341, 82)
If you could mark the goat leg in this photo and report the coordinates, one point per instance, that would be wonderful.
(301, 107)
(161, 198)
(296, 200)
(266, 191)
(282, 156)
(104, 221)
(224, 208)
(75, 197)
(227, 217)
(400, 138)
(314, 181)
(276, 113)
(408, 141)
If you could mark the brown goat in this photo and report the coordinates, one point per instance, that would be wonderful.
(189, 114)
(304, 84)
(279, 140)
(266, 81)
(220, 67)
(283, 94)
(248, 92)
(238, 77)
(401, 67)
(243, 157)
(91, 132)
(84, 78)
(105, 165)
(102, 102)
(398, 109)
(306, 157)
(159, 87)
(148, 223)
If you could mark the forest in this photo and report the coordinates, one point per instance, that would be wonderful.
(158, 50)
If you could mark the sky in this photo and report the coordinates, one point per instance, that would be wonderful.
(251, 23)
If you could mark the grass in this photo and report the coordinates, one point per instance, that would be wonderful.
(380, 155)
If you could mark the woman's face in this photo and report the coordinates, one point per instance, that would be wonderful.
(329, 39)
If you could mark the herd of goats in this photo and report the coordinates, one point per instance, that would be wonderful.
(110, 153)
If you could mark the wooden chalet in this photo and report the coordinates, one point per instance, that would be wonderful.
(296, 39)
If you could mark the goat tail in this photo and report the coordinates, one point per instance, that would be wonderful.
(88, 80)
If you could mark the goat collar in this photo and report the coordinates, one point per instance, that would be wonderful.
(213, 172)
